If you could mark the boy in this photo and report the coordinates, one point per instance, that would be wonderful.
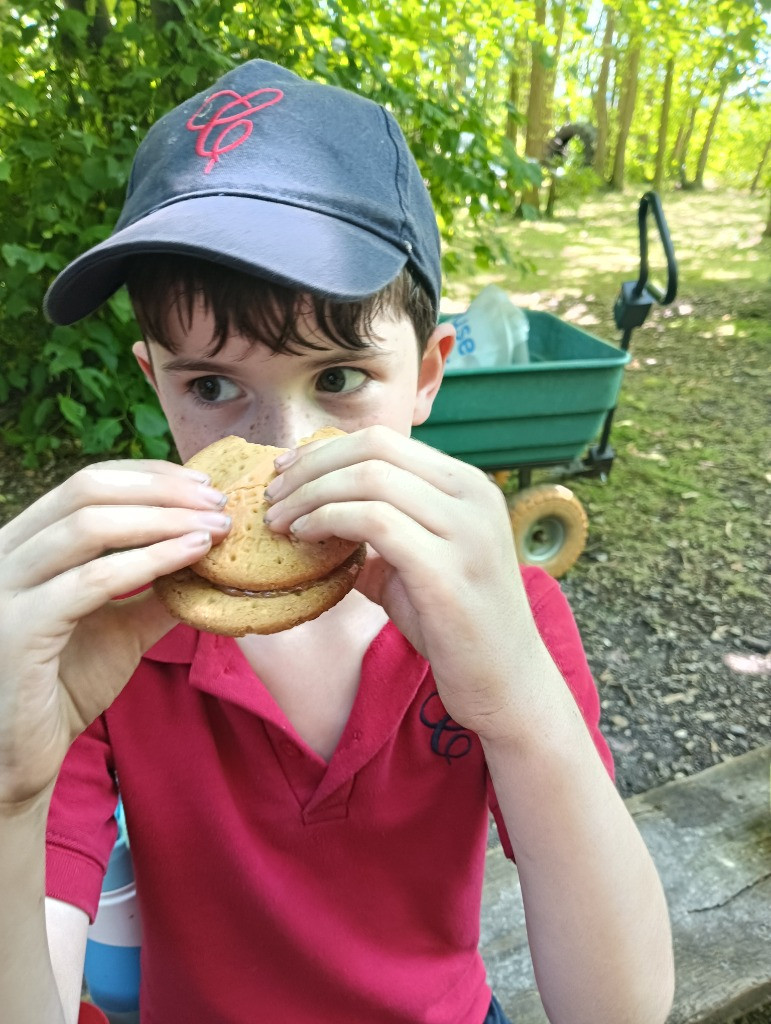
(307, 810)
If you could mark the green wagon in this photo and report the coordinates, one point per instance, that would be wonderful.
(547, 413)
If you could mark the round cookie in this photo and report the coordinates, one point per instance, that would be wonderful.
(253, 557)
(257, 581)
(195, 601)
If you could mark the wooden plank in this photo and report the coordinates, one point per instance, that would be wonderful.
(710, 836)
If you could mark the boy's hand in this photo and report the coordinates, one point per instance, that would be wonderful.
(445, 568)
(67, 647)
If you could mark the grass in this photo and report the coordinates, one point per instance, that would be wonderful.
(690, 485)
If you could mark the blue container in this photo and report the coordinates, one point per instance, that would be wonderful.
(114, 941)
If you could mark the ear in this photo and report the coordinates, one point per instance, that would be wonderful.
(144, 359)
(438, 348)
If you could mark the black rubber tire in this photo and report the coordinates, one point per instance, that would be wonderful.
(550, 527)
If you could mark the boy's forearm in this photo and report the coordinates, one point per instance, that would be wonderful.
(596, 915)
(28, 990)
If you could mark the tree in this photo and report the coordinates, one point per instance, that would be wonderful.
(536, 129)
(679, 158)
(761, 166)
(516, 69)
(626, 111)
(666, 103)
(600, 94)
(701, 166)
(558, 11)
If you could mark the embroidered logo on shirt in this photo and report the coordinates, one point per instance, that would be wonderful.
(448, 739)
(228, 114)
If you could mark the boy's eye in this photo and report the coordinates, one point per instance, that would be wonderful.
(213, 389)
(340, 379)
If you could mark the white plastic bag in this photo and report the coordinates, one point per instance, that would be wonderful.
(492, 332)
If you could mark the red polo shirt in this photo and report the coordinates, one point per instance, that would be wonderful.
(274, 886)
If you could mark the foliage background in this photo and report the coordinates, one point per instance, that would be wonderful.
(477, 90)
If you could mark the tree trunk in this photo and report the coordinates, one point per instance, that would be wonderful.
(767, 232)
(558, 10)
(626, 113)
(761, 165)
(675, 155)
(601, 95)
(702, 164)
(534, 140)
(679, 158)
(683, 160)
(512, 121)
(658, 178)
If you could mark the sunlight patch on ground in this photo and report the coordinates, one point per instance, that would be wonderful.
(722, 274)
(584, 254)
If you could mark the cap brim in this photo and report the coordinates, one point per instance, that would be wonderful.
(295, 247)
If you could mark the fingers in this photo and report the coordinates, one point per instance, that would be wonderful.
(55, 557)
(388, 530)
(90, 532)
(374, 481)
(444, 497)
(314, 460)
(85, 588)
(141, 482)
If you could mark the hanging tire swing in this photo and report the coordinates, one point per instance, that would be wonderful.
(550, 527)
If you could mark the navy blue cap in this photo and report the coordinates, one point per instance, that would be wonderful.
(304, 184)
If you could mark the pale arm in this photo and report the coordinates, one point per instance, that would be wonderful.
(67, 929)
(596, 915)
(36, 987)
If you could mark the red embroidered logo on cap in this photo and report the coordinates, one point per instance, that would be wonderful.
(229, 112)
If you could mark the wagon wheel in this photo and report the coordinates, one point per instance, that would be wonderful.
(550, 527)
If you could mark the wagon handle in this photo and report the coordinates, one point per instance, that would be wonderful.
(650, 201)
(633, 305)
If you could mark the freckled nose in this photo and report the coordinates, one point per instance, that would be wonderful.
(282, 425)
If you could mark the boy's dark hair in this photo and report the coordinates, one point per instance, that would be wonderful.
(165, 284)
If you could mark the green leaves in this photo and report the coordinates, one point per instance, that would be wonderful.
(76, 95)
(74, 412)
(149, 420)
(31, 259)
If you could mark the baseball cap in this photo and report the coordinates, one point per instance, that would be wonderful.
(302, 183)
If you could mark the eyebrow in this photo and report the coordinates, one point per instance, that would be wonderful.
(342, 356)
(338, 357)
(181, 365)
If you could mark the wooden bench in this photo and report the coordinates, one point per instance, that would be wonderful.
(710, 836)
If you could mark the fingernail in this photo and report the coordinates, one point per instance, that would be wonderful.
(273, 489)
(299, 525)
(214, 520)
(199, 539)
(282, 461)
(213, 497)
